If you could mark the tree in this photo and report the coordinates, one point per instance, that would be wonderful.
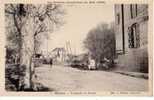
(27, 22)
(100, 43)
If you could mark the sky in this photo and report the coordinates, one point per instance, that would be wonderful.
(79, 20)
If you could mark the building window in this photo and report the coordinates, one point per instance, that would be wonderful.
(133, 10)
(133, 36)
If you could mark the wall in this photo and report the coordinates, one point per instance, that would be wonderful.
(134, 59)
(118, 29)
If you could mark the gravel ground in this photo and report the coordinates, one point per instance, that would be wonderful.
(65, 78)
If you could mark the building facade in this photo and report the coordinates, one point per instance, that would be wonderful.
(58, 55)
(131, 27)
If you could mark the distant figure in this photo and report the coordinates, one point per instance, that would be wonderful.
(51, 62)
(106, 63)
(91, 64)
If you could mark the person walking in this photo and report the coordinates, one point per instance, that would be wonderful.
(51, 62)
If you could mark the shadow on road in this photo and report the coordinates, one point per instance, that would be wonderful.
(40, 88)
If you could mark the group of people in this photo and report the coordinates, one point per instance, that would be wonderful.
(105, 63)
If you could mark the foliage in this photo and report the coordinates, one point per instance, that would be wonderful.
(46, 17)
(24, 24)
(100, 43)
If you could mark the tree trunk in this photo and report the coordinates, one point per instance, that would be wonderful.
(26, 53)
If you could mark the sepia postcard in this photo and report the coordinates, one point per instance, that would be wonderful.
(76, 48)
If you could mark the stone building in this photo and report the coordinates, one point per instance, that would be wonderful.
(131, 26)
(58, 55)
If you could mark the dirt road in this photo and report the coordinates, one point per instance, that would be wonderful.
(63, 78)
